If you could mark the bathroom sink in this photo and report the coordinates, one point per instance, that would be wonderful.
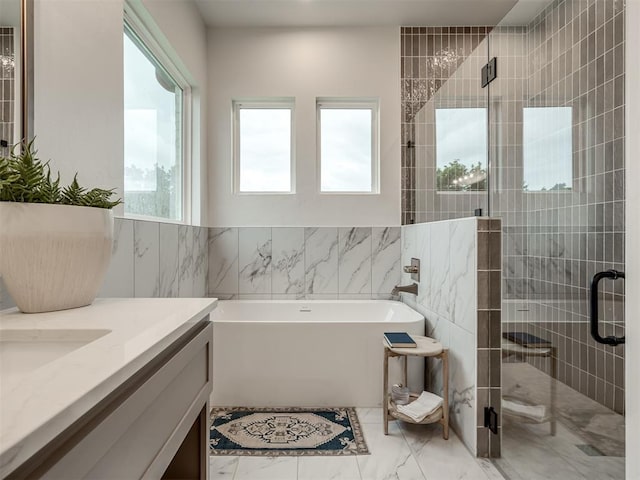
(23, 351)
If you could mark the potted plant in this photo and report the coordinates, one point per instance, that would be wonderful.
(55, 241)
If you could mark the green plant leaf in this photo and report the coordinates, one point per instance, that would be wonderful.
(24, 178)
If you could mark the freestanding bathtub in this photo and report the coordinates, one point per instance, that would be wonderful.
(307, 353)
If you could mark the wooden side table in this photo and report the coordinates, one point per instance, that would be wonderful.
(427, 347)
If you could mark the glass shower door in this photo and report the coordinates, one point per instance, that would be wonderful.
(556, 149)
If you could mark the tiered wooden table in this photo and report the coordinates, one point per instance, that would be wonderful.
(427, 347)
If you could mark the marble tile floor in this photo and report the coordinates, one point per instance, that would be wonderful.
(409, 452)
(594, 423)
(530, 453)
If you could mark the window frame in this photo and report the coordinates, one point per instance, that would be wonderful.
(147, 41)
(362, 103)
(284, 103)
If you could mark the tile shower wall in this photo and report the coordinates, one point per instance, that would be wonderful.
(570, 56)
(430, 60)
(7, 87)
(459, 295)
(303, 262)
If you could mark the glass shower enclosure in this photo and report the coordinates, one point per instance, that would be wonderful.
(542, 148)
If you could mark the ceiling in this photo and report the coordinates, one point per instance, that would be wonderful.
(340, 13)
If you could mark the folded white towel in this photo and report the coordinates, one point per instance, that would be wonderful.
(534, 412)
(422, 407)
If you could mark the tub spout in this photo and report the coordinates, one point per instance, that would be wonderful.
(413, 289)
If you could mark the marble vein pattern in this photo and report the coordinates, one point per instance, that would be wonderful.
(168, 260)
(267, 468)
(462, 274)
(321, 260)
(354, 260)
(385, 259)
(328, 468)
(223, 261)
(118, 280)
(200, 261)
(409, 245)
(222, 468)
(391, 456)
(440, 241)
(447, 251)
(288, 261)
(462, 395)
(422, 251)
(185, 260)
(441, 459)
(254, 260)
(146, 249)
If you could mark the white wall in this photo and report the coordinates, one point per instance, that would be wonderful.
(79, 107)
(305, 64)
(78, 89)
(632, 310)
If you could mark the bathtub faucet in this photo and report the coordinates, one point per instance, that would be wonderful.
(413, 289)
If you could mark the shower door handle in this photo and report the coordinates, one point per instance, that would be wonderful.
(595, 332)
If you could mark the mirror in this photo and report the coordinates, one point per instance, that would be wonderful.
(16, 72)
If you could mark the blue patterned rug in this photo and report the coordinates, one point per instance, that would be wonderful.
(286, 431)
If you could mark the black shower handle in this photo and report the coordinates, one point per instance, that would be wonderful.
(595, 333)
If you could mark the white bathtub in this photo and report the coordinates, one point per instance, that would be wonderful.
(307, 353)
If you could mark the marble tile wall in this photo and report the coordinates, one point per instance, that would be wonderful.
(453, 295)
(152, 259)
(303, 262)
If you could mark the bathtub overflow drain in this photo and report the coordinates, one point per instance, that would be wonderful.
(305, 309)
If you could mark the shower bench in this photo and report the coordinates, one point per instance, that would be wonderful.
(522, 352)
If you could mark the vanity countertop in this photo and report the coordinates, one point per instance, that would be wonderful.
(115, 338)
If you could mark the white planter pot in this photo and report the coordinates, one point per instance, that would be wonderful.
(53, 257)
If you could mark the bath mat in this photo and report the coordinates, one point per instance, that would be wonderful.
(286, 431)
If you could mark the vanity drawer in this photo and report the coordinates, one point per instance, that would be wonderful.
(140, 435)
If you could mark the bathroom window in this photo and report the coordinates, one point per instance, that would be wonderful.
(547, 149)
(263, 146)
(156, 105)
(348, 145)
(461, 149)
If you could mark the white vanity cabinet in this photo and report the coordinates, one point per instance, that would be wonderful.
(153, 425)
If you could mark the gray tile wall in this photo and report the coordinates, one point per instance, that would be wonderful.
(303, 262)
(439, 67)
(572, 56)
(489, 371)
(7, 87)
